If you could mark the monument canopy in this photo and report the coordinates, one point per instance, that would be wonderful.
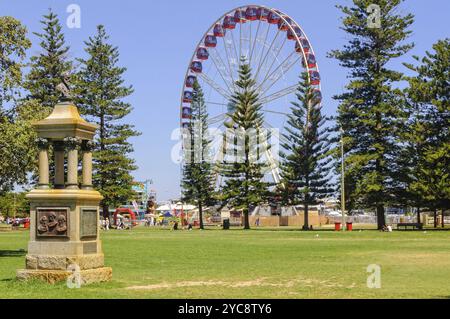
(65, 121)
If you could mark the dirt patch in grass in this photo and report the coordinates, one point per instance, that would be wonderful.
(311, 283)
(415, 258)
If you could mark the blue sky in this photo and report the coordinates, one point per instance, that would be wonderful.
(157, 38)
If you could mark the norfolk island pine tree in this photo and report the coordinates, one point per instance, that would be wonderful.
(198, 178)
(100, 91)
(427, 137)
(244, 186)
(306, 162)
(371, 109)
(48, 69)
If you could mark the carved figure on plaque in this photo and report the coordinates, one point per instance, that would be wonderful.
(61, 228)
(51, 222)
(43, 225)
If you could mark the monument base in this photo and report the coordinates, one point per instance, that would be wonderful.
(87, 276)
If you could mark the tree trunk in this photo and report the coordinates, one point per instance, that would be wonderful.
(200, 214)
(418, 215)
(381, 221)
(442, 219)
(435, 218)
(246, 221)
(306, 222)
(105, 211)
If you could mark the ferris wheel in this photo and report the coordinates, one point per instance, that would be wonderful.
(278, 51)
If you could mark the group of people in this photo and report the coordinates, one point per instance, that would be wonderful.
(120, 223)
(13, 221)
(152, 221)
(174, 225)
(105, 224)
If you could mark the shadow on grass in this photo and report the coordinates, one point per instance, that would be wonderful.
(292, 229)
(8, 280)
(12, 253)
(275, 229)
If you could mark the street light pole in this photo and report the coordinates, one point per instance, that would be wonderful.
(342, 180)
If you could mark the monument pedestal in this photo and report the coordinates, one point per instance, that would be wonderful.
(64, 237)
(87, 276)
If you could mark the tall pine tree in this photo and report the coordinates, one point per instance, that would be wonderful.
(198, 177)
(429, 138)
(51, 65)
(370, 109)
(305, 169)
(100, 92)
(243, 172)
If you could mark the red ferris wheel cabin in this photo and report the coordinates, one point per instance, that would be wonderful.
(210, 41)
(190, 80)
(187, 96)
(273, 18)
(186, 112)
(202, 53)
(251, 14)
(239, 16)
(229, 23)
(219, 30)
(283, 26)
(291, 35)
(196, 66)
(314, 77)
(262, 14)
(304, 44)
(310, 60)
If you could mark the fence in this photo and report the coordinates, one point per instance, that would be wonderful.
(372, 219)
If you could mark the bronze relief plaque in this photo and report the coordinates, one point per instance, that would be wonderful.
(88, 222)
(52, 221)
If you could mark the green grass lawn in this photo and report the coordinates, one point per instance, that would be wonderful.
(263, 263)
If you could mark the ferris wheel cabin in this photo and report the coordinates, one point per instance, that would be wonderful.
(196, 66)
(202, 53)
(186, 112)
(210, 41)
(251, 14)
(273, 18)
(187, 97)
(291, 35)
(229, 23)
(262, 14)
(314, 77)
(239, 16)
(219, 30)
(283, 26)
(310, 61)
(304, 43)
(190, 80)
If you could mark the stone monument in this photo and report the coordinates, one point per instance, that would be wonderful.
(64, 232)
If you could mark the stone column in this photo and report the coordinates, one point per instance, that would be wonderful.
(58, 148)
(43, 163)
(71, 144)
(86, 148)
